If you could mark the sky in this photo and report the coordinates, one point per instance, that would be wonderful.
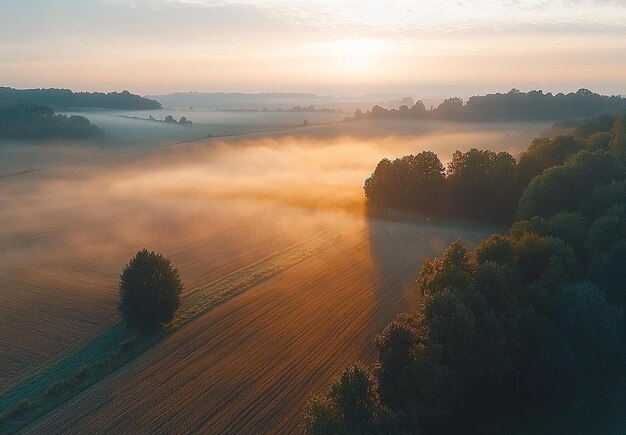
(426, 48)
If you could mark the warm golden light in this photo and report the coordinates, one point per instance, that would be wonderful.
(349, 56)
(325, 47)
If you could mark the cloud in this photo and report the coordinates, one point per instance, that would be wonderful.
(167, 45)
(39, 20)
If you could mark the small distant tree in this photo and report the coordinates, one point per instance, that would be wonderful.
(185, 122)
(150, 288)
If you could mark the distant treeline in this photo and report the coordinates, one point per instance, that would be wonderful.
(229, 99)
(40, 122)
(524, 334)
(307, 109)
(310, 109)
(63, 99)
(512, 106)
(169, 119)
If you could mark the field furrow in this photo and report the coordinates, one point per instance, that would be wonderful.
(248, 365)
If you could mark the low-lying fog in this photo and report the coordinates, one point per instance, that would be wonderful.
(127, 134)
(212, 206)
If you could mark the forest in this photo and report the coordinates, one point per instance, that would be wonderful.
(63, 99)
(527, 330)
(512, 106)
(40, 122)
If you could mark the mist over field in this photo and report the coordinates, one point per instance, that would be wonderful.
(212, 205)
(266, 220)
(295, 217)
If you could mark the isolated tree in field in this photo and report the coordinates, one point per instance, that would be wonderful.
(150, 288)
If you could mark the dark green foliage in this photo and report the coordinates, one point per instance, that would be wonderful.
(516, 106)
(29, 121)
(566, 226)
(608, 272)
(580, 173)
(450, 108)
(561, 188)
(480, 185)
(607, 229)
(599, 124)
(452, 270)
(66, 99)
(496, 249)
(545, 259)
(150, 289)
(546, 152)
(397, 348)
(529, 323)
(417, 181)
(495, 301)
(524, 320)
(452, 327)
(351, 406)
(617, 145)
(598, 141)
(602, 199)
(589, 321)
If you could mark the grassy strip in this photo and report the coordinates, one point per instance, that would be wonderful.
(56, 384)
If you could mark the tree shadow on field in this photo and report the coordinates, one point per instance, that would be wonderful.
(397, 249)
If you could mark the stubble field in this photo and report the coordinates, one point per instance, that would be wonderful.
(216, 207)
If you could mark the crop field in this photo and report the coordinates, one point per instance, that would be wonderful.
(286, 280)
(248, 365)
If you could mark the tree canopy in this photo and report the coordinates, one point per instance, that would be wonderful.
(477, 185)
(529, 323)
(574, 173)
(150, 288)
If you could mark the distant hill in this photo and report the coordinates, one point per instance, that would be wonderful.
(512, 106)
(230, 100)
(273, 101)
(63, 99)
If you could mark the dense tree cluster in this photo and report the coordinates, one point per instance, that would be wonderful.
(486, 186)
(512, 106)
(62, 99)
(417, 182)
(477, 185)
(529, 321)
(31, 121)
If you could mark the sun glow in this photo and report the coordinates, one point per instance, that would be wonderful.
(351, 56)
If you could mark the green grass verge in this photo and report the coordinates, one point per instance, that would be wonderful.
(52, 386)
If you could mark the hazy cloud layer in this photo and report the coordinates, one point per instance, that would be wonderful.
(154, 46)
